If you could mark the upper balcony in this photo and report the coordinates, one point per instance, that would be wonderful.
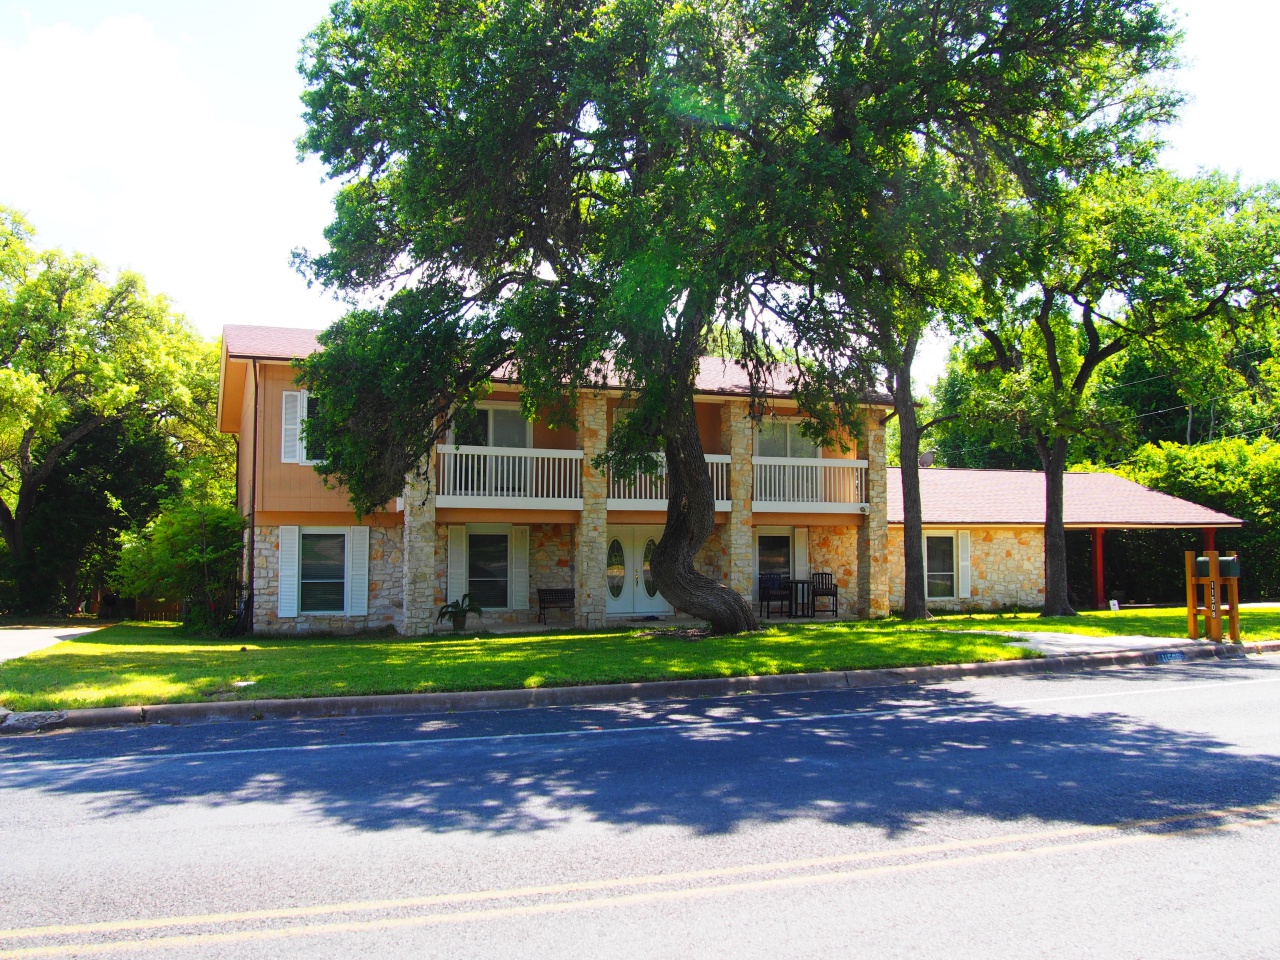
(808, 485)
(539, 479)
(510, 477)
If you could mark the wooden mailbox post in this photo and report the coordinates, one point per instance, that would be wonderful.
(1221, 594)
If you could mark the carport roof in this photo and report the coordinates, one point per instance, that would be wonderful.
(1016, 497)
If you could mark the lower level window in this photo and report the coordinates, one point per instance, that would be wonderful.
(774, 555)
(940, 567)
(322, 573)
(487, 579)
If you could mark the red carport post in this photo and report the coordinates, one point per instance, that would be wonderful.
(1099, 580)
(1208, 538)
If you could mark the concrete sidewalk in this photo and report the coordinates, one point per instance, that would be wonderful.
(1053, 644)
(19, 641)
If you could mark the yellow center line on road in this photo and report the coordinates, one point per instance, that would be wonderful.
(1259, 813)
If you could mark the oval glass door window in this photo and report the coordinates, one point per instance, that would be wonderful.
(615, 568)
(650, 587)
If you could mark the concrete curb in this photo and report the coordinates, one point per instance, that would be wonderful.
(414, 703)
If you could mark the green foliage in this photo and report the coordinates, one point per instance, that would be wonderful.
(456, 611)
(1238, 477)
(81, 352)
(191, 551)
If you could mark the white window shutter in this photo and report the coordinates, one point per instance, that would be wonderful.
(358, 571)
(800, 551)
(520, 568)
(962, 564)
(290, 438)
(457, 562)
(287, 580)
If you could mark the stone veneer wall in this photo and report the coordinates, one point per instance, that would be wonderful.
(1006, 569)
(551, 553)
(736, 436)
(589, 585)
(386, 586)
(834, 550)
(713, 559)
(873, 568)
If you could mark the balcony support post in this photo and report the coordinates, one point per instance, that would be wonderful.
(591, 543)
(736, 435)
(418, 552)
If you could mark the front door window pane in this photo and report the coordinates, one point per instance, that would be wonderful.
(322, 572)
(650, 585)
(615, 568)
(775, 556)
(771, 439)
(509, 429)
(487, 569)
(940, 567)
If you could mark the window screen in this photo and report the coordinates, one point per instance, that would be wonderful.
(487, 569)
(322, 572)
(314, 448)
(771, 439)
(508, 429)
(940, 566)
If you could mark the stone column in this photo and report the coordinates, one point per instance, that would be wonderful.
(736, 437)
(873, 535)
(419, 554)
(591, 545)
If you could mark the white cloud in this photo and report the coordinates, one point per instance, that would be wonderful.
(118, 148)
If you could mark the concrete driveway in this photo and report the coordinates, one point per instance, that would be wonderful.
(19, 641)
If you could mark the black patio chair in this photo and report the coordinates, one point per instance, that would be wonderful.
(824, 585)
(775, 588)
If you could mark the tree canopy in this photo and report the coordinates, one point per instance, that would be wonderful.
(89, 364)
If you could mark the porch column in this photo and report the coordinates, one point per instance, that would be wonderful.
(736, 436)
(1207, 533)
(1099, 576)
(590, 544)
(418, 555)
(873, 535)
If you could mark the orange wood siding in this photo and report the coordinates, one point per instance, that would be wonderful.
(287, 487)
(246, 442)
(708, 415)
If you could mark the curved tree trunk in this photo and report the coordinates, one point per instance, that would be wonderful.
(1053, 457)
(690, 520)
(914, 606)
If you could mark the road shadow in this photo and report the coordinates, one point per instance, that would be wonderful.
(891, 759)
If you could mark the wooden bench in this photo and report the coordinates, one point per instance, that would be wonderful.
(559, 597)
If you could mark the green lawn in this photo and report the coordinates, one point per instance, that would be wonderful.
(136, 663)
(1256, 623)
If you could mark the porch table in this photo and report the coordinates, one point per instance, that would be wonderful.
(802, 604)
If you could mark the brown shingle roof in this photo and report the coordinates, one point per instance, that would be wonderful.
(993, 497)
(286, 343)
(269, 343)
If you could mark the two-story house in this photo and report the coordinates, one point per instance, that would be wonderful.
(515, 506)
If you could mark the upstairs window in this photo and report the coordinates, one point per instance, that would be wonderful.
(493, 427)
(297, 406)
(782, 438)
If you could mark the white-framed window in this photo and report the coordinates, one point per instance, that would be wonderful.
(323, 570)
(946, 564)
(494, 424)
(781, 551)
(296, 407)
(490, 561)
(782, 437)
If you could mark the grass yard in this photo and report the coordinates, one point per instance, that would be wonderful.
(1256, 623)
(138, 663)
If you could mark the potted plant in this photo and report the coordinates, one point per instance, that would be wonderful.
(457, 611)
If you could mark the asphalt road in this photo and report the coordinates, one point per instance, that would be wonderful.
(1129, 813)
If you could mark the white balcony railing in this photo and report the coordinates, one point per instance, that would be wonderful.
(790, 484)
(509, 477)
(648, 491)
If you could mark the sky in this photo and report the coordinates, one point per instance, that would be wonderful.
(159, 137)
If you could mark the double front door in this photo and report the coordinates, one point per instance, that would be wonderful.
(628, 575)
